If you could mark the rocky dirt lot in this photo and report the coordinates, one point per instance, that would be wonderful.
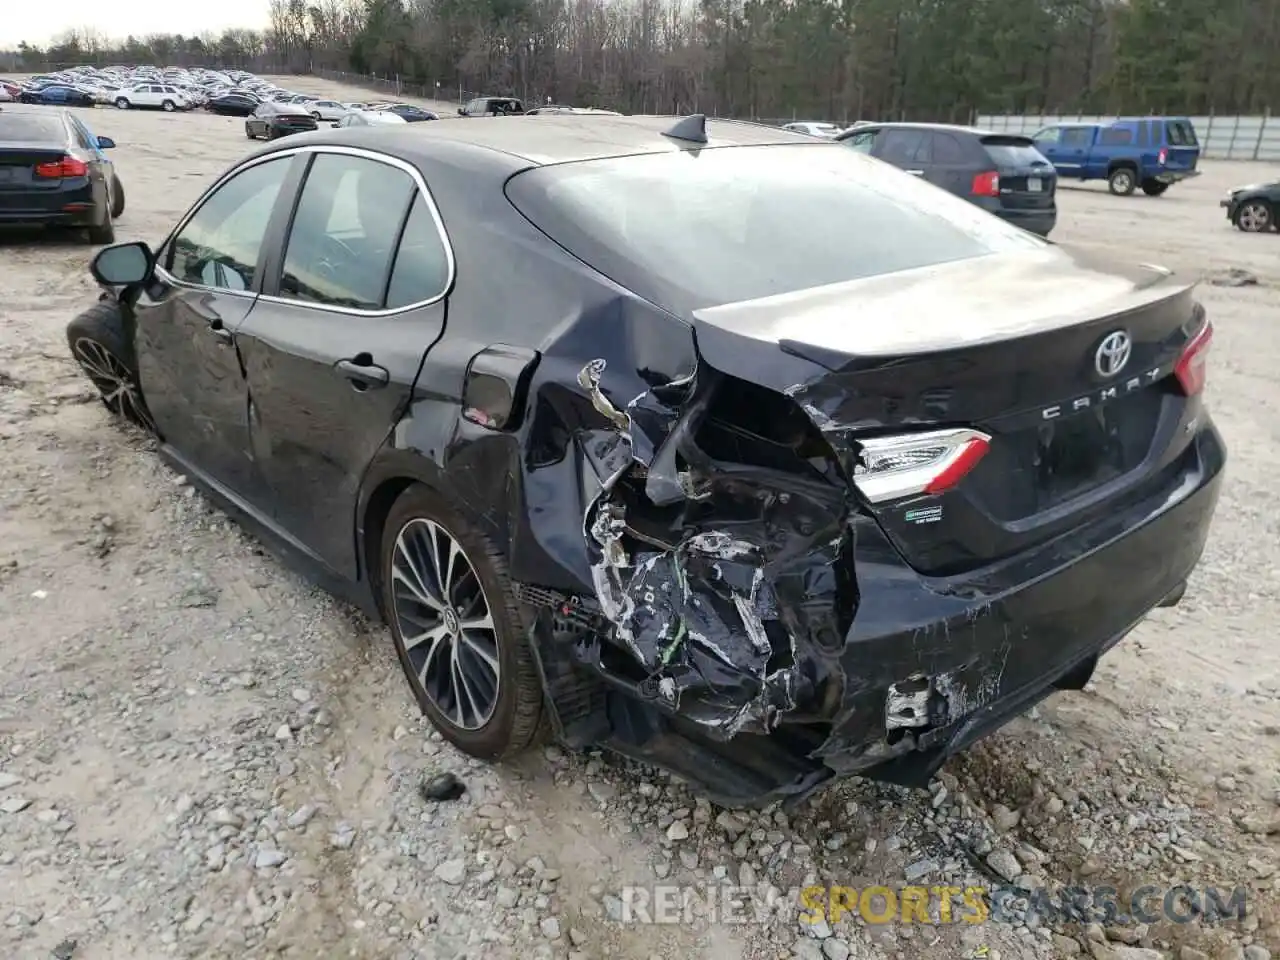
(203, 756)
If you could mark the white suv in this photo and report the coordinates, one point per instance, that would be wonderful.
(155, 95)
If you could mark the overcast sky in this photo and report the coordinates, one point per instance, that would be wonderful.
(38, 23)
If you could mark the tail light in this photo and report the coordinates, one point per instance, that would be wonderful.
(986, 185)
(1192, 367)
(917, 463)
(1163, 156)
(65, 169)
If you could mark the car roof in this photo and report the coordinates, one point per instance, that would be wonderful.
(944, 127)
(556, 137)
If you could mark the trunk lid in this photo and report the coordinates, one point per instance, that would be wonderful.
(1027, 180)
(18, 161)
(1007, 345)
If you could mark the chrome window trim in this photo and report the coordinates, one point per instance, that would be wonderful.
(410, 169)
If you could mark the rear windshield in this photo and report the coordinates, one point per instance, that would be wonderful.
(1011, 152)
(1180, 133)
(693, 229)
(20, 127)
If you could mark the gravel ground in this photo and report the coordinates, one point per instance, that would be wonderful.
(202, 756)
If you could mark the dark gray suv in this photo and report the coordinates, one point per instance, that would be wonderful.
(1002, 173)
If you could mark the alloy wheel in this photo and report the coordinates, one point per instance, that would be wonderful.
(445, 623)
(1254, 218)
(114, 381)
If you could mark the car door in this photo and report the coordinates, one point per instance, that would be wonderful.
(100, 167)
(1074, 147)
(947, 164)
(207, 279)
(1048, 142)
(333, 348)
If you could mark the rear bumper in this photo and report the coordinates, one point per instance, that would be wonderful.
(83, 204)
(1174, 176)
(931, 665)
(1036, 221)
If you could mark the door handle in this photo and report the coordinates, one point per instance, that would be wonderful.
(363, 372)
(220, 333)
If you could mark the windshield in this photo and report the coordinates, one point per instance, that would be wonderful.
(693, 229)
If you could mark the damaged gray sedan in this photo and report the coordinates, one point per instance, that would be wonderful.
(725, 448)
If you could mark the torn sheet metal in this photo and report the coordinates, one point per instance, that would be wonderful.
(734, 609)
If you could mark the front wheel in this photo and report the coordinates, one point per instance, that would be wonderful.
(1122, 181)
(457, 628)
(1154, 188)
(1254, 217)
(168, 106)
(315, 115)
(99, 345)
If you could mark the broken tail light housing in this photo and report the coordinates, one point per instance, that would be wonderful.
(917, 463)
(1192, 367)
(67, 168)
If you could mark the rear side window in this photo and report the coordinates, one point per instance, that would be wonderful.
(947, 149)
(1180, 133)
(18, 127)
(1012, 152)
(1115, 137)
(693, 230)
(421, 270)
(344, 232)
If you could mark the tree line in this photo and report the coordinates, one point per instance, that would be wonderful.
(809, 59)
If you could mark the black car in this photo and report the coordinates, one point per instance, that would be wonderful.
(1002, 173)
(491, 107)
(1253, 208)
(57, 94)
(694, 481)
(53, 172)
(272, 120)
(408, 112)
(233, 104)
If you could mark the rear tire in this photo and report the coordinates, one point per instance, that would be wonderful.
(103, 233)
(1255, 216)
(514, 696)
(1122, 181)
(315, 115)
(98, 344)
(249, 133)
(122, 103)
(1154, 188)
(117, 197)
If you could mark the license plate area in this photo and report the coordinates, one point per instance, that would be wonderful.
(1034, 185)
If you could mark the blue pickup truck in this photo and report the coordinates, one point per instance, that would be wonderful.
(1147, 152)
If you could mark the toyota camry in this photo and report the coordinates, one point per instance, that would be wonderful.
(720, 446)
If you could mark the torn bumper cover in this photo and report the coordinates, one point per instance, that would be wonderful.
(756, 633)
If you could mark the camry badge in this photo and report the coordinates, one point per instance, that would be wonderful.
(1113, 353)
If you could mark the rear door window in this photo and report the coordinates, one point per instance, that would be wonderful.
(947, 150)
(1116, 137)
(344, 232)
(1180, 133)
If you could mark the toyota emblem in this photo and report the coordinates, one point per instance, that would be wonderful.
(1113, 353)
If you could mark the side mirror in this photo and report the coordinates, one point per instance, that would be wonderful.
(105, 143)
(123, 264)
